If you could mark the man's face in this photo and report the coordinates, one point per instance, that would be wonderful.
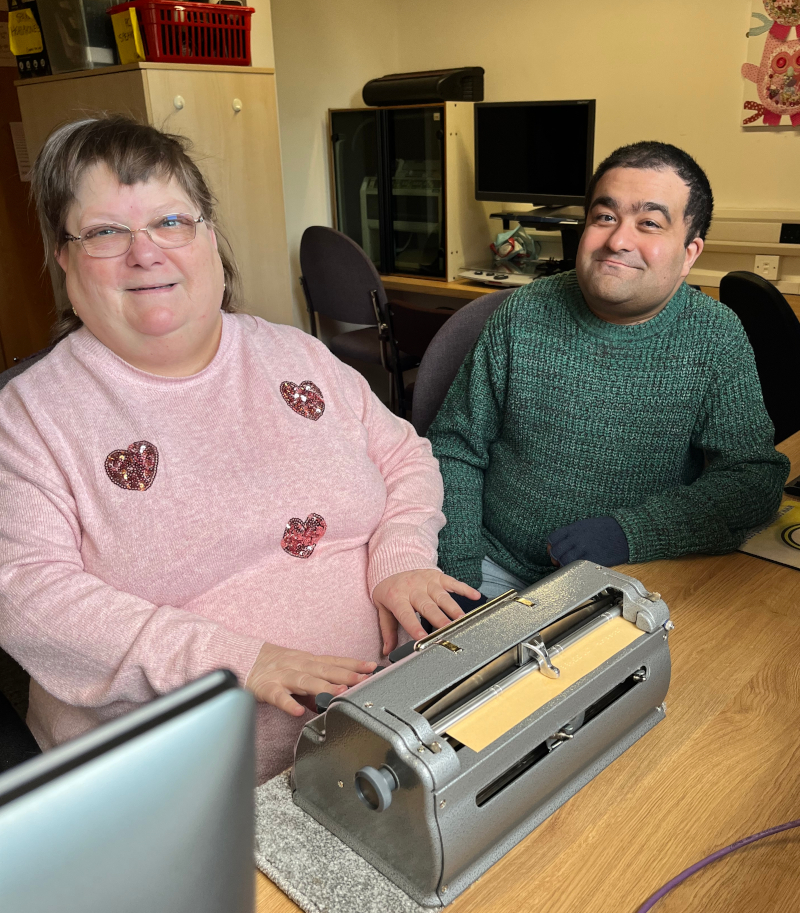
(633, 255)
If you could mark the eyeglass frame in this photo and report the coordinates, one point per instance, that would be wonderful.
(134, 231)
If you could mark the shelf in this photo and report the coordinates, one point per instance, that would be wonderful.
(752, 247)
(142, 65)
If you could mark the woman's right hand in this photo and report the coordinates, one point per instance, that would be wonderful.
(278, 673)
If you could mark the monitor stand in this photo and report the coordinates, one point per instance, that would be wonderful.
(569, 220)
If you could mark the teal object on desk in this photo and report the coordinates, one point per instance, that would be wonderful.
(515, 244)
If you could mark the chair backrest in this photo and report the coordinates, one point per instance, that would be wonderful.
(16, 742)
(338, 277)
(12, 372)
(414, 327)
(774, 333)
(444, 355)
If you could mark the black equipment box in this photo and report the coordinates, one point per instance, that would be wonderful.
(425, 87)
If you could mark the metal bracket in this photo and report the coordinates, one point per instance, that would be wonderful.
(536, 649)
(448, 645)
(435, 637)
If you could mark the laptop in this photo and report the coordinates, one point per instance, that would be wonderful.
(150, 812)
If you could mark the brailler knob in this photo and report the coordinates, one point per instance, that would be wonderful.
(375, 787)
(237, 105)
(178, 102)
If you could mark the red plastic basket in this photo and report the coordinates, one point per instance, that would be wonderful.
(192, 32)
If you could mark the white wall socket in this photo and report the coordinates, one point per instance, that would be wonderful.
(767, 267)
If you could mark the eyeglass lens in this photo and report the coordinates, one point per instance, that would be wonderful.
(112, 240)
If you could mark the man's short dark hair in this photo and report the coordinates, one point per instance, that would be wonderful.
(660, 156)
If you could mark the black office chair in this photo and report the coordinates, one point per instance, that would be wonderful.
(341, 282)
(21, 366)
(413, 328)
(444, 355)
(774, 333)
(16, 742)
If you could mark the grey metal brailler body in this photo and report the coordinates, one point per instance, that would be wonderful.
(433, 815)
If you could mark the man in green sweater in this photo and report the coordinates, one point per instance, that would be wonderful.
(611, 413)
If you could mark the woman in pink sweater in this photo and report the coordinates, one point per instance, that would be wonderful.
(184, 488)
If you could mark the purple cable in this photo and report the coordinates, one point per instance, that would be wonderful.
(661, 892)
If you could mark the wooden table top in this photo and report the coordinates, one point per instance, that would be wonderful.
(725, 763)
(459, 289)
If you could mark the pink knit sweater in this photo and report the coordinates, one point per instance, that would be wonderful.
(153, 528)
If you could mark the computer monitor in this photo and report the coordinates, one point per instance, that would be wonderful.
(153, 812)
(538, 152)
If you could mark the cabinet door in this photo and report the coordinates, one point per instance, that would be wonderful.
(356, 183)
(26, 299)
(239, 152)
(417, 211)
(50, 103)
(46, 105)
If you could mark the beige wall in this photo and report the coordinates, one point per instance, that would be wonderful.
(261, 47)
(659, 69)
(325, 50)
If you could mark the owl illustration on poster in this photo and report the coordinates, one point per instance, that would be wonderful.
(772, 73)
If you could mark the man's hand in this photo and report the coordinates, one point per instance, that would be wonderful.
(278, 673)
(398, 598)
(598, 539)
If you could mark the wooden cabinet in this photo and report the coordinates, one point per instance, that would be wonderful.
(230, 115)
(26, 298)
(403, 181)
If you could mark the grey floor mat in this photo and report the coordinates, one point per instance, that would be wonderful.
(313, 867)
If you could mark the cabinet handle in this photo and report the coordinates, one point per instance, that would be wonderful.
(237, 105)
(178, 102)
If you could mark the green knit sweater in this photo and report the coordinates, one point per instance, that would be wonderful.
(557, 415)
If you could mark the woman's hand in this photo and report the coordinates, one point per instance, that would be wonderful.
(400, 597)
(278, 673)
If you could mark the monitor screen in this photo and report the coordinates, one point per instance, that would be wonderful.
(153, 811)
(538, 152)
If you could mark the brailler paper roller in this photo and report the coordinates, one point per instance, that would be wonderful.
(437, 766)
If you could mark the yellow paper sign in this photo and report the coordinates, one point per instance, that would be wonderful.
(129, 38)
(24, 36)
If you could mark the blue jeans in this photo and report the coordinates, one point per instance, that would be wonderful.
(497, 580)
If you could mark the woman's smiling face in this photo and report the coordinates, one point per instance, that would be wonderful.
(157, 309)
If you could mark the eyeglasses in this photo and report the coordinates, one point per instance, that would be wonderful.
(113, 240)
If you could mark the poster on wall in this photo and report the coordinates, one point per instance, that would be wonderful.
(772, 72)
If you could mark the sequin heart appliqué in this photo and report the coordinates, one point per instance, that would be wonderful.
(135, 468)
(299, 538)
(304, 398)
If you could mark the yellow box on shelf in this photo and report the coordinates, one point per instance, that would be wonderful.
(24, 34)
(129, 38)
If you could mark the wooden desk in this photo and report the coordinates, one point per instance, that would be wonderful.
(724, 764)
(430, 292)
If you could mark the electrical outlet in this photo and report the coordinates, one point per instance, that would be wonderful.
(767, 267)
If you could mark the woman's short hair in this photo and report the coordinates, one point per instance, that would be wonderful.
(134, 153)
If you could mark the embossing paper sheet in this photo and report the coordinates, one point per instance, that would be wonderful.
(780, 541)
(502, 713)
